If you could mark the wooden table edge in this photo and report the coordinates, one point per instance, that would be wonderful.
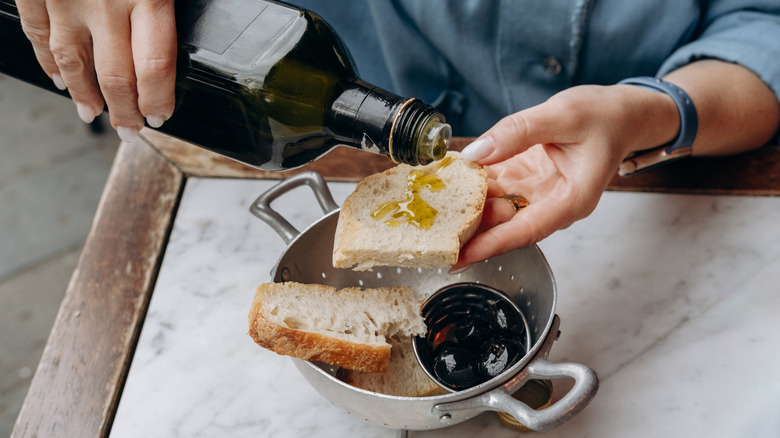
(78, 382)
(756, 173)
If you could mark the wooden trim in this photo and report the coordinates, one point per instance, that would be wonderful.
(756, 173)
(77, 385)
(341, 164)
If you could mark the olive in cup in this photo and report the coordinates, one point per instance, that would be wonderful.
(475, 333)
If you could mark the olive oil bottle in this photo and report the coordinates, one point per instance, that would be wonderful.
(269, 85)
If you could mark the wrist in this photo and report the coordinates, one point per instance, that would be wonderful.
(651, 119)
(679, 118)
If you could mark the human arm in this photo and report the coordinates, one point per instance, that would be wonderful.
(561, 155)
(120, 53)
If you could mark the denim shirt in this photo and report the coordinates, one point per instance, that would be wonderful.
(480, 60)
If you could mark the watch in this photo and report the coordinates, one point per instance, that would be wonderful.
(680, 147)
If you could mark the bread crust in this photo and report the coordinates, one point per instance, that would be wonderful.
(310, 345)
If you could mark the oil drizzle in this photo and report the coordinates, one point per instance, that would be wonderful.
(413, 208)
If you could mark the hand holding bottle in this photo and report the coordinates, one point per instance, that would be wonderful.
(560, 156)
(120, 52)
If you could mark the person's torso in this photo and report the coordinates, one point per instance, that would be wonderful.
(480, 60)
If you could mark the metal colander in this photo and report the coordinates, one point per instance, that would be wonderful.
(523, 275)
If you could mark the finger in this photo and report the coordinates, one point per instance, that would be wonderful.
(71, 47)
(494, 188)
(116, 73)
(497, 211)
(36, 26)
(515, 134)
(527, 227)
(154, 54)
(558, 209)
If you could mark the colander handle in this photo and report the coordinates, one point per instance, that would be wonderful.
(262, 205)
(585, 386)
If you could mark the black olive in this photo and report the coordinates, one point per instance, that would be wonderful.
(471, 331)
(456, 367)
(437, 338)
(504, 317)
(498, 355)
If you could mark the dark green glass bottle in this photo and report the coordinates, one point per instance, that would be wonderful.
(269, 85)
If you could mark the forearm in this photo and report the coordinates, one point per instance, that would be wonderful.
(737, 112)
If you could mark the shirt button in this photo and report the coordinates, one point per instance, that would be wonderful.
(551, 65)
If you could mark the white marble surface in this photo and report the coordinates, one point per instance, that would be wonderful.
(671, 299)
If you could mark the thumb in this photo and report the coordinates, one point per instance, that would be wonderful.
(514, 134)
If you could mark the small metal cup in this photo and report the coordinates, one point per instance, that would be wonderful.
(451, 303)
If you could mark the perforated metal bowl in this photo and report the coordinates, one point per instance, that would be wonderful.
(523, 275)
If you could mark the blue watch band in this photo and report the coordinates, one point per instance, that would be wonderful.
(689, 121)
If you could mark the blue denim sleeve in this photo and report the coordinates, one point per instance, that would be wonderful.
(739, 31)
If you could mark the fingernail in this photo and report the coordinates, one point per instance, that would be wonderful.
(58, 82)
(478, 149)
(459, 270)
(127, 134)
(85, 112)
(155, 121)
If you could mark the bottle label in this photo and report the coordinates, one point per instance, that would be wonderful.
(216, 25)
(240, 35)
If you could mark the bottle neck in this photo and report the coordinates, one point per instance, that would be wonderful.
(406, 130)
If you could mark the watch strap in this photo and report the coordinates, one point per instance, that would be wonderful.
(681, 146)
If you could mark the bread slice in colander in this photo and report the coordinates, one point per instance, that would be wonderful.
(348, 328)
(404, 376)
(368, 234)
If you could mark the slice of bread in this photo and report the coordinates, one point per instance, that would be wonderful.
(373, 231)
(404, 376)
(348, 328)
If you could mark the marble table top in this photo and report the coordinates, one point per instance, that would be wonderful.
(671, 299)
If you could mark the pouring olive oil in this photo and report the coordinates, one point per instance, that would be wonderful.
(413, 208)
(269, 85)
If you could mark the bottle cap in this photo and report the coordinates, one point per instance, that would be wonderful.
(435, 140)
(419, 134)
